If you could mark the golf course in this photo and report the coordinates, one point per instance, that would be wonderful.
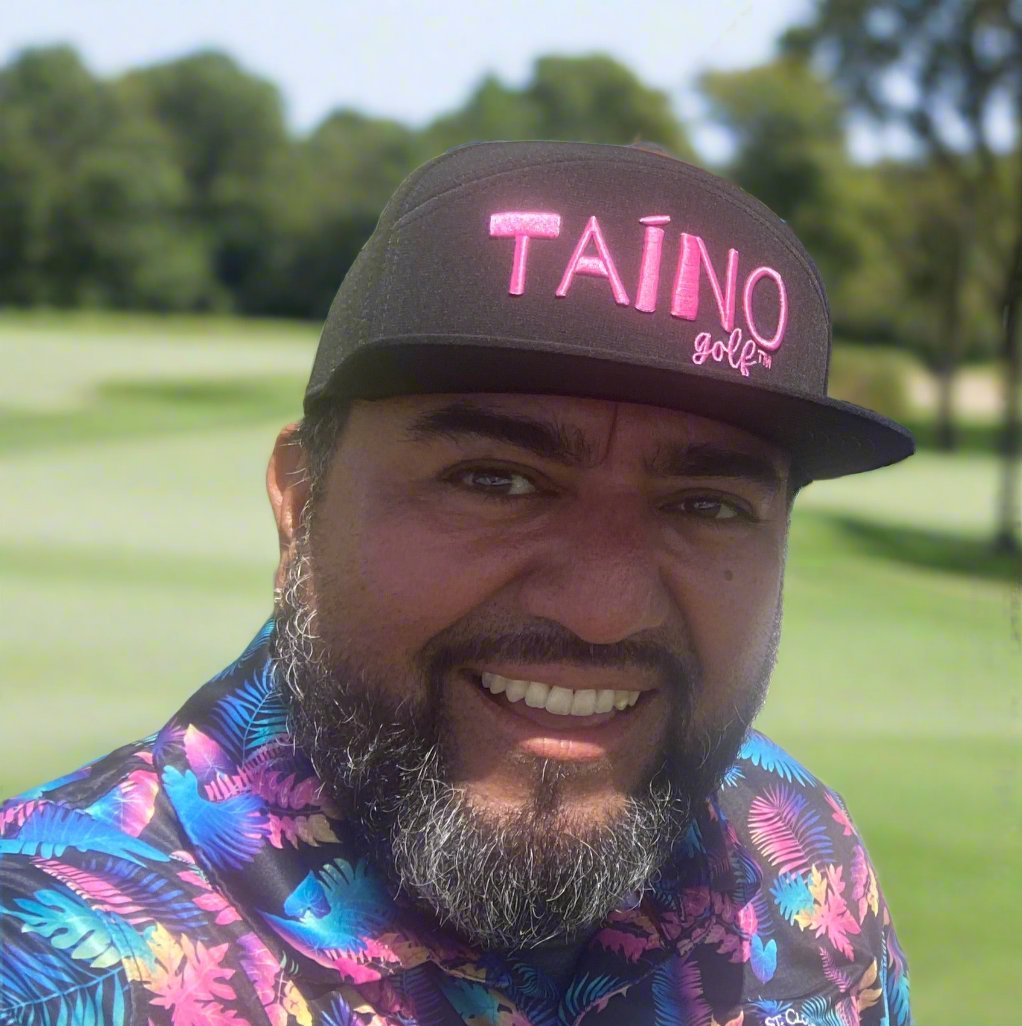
(136, 560)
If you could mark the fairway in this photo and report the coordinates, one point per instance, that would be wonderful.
(136, 559)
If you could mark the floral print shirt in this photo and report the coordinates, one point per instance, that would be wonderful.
(199, 878)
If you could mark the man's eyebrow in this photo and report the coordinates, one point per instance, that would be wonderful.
(547, 439)
(707, 460)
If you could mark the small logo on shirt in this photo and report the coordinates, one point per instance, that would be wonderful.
(789, 1017)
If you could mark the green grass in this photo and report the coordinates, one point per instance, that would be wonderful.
(136, 554)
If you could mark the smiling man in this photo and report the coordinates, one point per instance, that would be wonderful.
(491, 761)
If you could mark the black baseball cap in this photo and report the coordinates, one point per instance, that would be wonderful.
(609, 272)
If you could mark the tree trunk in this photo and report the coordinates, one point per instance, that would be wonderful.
(1007, 538)
(946, 433)
(951, 348)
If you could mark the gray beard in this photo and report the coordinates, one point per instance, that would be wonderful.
(505, 881)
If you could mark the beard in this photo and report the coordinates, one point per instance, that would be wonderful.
(503, 880)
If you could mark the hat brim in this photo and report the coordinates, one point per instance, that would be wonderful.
(826, 437)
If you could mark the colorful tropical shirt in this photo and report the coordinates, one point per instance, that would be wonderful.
(200, 878)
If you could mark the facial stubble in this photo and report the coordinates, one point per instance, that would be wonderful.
(508, 879)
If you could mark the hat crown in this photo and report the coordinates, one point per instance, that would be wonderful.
(608, 251)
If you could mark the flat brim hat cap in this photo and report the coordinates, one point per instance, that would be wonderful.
(609, 272)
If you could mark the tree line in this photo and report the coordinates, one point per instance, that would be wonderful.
(178, 187)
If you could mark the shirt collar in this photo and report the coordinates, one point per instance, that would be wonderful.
(260, 827)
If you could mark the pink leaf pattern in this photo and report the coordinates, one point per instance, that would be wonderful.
(99, 892)
(786, 831)
(190, 980)
(865, 892)
(131, 804)
(842, 980)
(839, 815)
(830, 916)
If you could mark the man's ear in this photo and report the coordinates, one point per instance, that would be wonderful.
(287, 484)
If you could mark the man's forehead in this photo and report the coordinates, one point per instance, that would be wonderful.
(586, 425)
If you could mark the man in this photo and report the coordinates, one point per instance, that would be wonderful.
(491, 759)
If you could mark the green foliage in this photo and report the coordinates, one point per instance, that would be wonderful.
(178, 187)
(225, 129)
(92, 198)
(878, 379)
(599, 100)
(324, 200)
(788, 130)
(593, 98)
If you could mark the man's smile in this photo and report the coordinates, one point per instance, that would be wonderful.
(574, 719)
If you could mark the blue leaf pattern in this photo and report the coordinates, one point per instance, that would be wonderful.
(761, 751)
(51, 829)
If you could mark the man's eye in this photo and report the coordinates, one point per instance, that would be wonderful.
(709, 507)
(493, 481)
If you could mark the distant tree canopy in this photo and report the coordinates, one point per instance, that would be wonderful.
(179, 187)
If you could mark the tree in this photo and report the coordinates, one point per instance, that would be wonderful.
(325, 204)
(789, 136)
(90, 198)
(959, 60)
(225, 128)
(588, 99)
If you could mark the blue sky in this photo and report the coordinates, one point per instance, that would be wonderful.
(411, 59)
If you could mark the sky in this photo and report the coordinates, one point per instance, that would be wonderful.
(413, 59)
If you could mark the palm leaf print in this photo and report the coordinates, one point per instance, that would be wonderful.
(251, 716)
(253, 648)
(896, 984)
(130, 805)
(51, 829)
(792, 896)
(786, 832)
(678, 995)
(761, 751)
(228, 833)
(132, 892)
(100, 939)
(584, 991)
(45, 988)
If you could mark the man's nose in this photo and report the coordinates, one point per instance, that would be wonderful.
(601, 575)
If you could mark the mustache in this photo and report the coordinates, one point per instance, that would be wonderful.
(544, 641)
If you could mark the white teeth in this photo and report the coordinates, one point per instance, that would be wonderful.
(515, 690)
(559, 700)
(494, 682)
(536, 694)
(604, 701)
(583, 703)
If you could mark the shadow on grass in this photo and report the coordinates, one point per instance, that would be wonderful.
(125, 410)
(933, 550)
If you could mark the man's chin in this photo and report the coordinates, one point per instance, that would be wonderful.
(566, 796)
(504, 866)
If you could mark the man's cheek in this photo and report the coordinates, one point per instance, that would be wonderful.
(419, 579)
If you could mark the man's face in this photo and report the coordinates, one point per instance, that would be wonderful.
(464, 549)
